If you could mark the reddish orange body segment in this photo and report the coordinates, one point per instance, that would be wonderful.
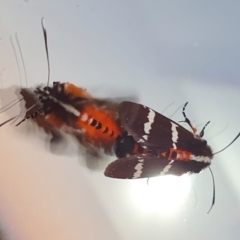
(75, 91)
(106, 134)
(52, 119)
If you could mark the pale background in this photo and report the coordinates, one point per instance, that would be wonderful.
(164, 51)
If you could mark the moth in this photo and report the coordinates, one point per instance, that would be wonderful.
(65, 107)
(169, 148)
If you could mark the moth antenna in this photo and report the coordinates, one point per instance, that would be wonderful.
(228, 144)
(10, 105)
(17, 117)
(16, 58)
(46, 49)
(1, 76)
(176, 111)
(21, 113)
(213, 181)
(187, 120)
(7, 121)
(202, 131)
(169, 105)
(23, 120)
(48, 79)
(21, 55)
(216, 134)
(214, 191)
(195, 196)
(32, 115)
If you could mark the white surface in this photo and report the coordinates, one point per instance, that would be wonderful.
(164, 50)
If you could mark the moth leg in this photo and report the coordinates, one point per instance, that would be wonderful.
(202, 131)
(32, 115)
(187, 120)
(148, 181)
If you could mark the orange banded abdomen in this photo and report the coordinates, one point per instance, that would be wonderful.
(98, 126)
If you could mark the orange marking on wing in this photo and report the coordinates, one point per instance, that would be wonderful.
(135, 148)
(94, 135)
(75, 91)
(145, 151)
(179, 155)
(164, 154)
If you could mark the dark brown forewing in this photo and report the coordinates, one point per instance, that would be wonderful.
(134, 117)
(147, 166)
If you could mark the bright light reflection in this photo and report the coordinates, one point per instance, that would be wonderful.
(162, 194)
